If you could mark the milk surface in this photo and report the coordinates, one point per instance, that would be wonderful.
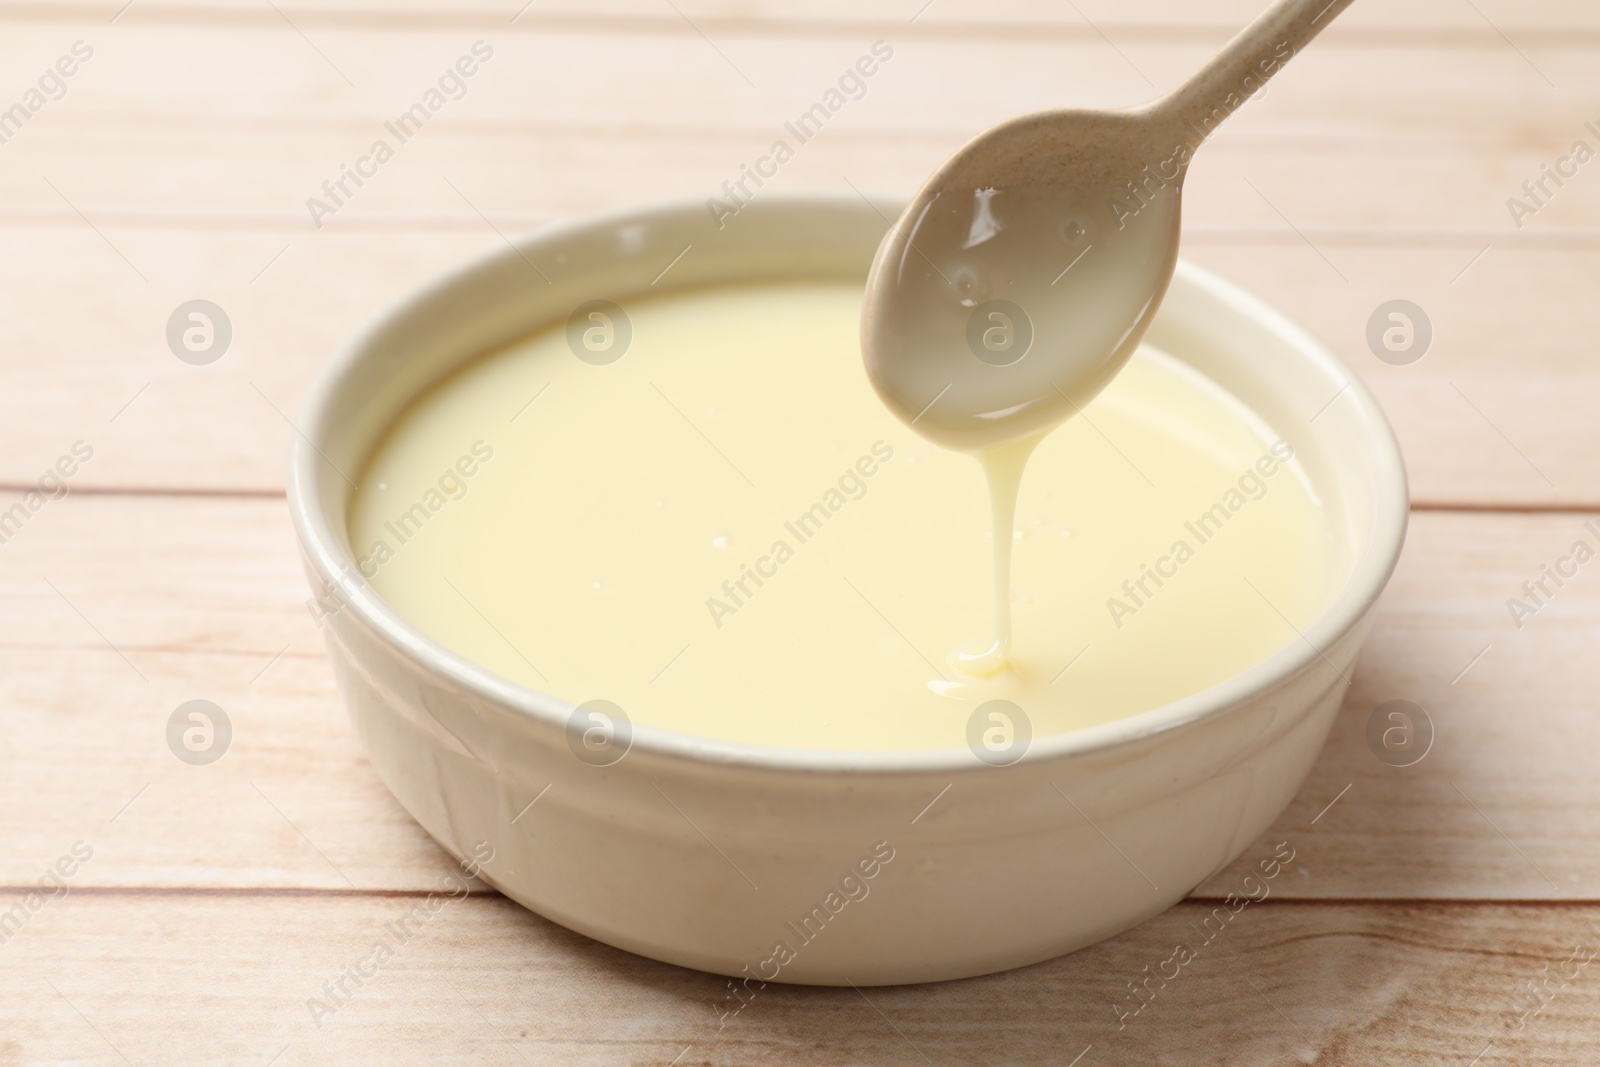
(726, 533)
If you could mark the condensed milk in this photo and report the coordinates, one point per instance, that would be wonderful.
(726, 533)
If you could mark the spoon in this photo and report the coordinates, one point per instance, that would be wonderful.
(1025, 271)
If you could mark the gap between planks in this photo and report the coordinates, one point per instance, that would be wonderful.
(1447, 506)
(152, 491)
(1569, 239)
(239, 891)
(121, 891)
(1578, 239)
(533, 22)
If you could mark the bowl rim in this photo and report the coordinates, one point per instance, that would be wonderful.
(321, 545)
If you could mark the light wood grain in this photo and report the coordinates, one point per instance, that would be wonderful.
(259, 120)
(191, 977)
(1422, 901)
(1498, 412)
(123, 607)
(1439, 177)
(1548, 20)
(1491, 415)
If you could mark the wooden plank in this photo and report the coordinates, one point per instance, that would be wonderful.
(88, 689)
(260, 126)
(650, 83)
(178, 164)
(204, 598)
(1424, 177)
(1537, 21)
(109, 379)
(1506, 705)
(187, 977)
(1496, 413)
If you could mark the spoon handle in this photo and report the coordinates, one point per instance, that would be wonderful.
(1198, 106)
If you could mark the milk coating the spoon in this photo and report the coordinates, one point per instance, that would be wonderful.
(1026, 270)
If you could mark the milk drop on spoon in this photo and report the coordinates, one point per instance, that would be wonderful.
(1026, 270)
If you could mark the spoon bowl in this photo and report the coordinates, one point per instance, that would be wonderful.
(1023, 274)
(1025, 271)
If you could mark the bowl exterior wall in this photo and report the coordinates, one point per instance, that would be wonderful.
(828, 868)
(750, 871)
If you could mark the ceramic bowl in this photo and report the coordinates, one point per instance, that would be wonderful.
(829, 867)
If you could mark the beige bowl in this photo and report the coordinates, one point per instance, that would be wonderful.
(830, 867)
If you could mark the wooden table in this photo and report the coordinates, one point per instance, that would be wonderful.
(1440, 913)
